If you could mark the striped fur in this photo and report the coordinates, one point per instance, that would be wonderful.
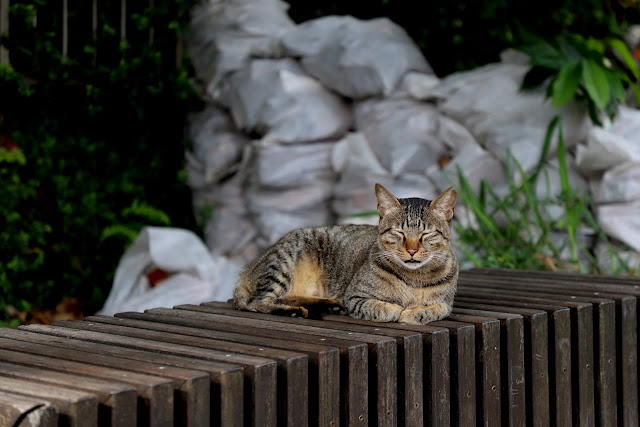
(402, 270)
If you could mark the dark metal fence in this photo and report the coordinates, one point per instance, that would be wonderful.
(102, 23)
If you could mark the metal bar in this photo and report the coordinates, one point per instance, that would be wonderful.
(4, 29)
(123, 20)
(65, 28)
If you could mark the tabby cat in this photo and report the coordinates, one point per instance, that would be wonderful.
(403, 270)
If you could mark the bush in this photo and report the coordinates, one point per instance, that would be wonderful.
(91, 149)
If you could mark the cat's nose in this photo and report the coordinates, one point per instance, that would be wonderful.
(412, 251)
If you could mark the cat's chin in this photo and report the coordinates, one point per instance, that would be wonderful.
(414, 264)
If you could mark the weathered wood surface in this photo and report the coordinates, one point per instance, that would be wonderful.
(520, 348)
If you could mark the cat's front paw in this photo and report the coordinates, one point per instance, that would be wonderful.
(421, 315)
(381, 311)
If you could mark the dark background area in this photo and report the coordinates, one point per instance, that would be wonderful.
(92, 145)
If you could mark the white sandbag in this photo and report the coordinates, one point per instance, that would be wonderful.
(356, 58)
(418, 85)
(455, 136)
(609, 147)
(289, 187)
(476, 164)
(286, 166)
(359, 169)
(195, 276)
(225, 34)
(402, 133)
(277, 99)
(503, 119)
(620, 184)
(217, 146)
(623, 260)
(622, 221)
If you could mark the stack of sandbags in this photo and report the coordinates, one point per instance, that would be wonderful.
(304, 119)
(611, 158)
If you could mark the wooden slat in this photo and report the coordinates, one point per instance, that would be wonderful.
(117, 401)
(603, 341)
(226, 381)
(462, 367)
(581, 344)
(354, 358)
(295, 409)
(75, 408)
(488, 410)
(30, 412)
(292, 366)
(154, 392)
(192, 388)
(260, 372)
(436, 370)
(324, 367)
(512, 365)
(624, 291)
(382, 353)
(536, 362)
(409, 365)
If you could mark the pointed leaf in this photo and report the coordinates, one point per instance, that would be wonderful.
(621, 48)
(636, 92)
(595, 82)
(543, 54)
(566, 83)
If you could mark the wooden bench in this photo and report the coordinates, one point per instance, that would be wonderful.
(521, 348)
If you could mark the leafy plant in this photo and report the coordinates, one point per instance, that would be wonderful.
(598, 71)
(133, 219)
(517, 230)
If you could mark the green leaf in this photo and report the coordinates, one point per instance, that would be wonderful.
(616, 88)
(636, 92)
(566, 83)
(621, 48)
(543, 54)
(595, 82)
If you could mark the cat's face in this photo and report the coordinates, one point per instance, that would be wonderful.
(415, 233)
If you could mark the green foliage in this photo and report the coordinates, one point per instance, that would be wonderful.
(91, 147)
(517, 229)
(133, 219)
(462, 35)
(587, 68)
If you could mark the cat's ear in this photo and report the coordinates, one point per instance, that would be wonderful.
(445, 203)
(386, 200)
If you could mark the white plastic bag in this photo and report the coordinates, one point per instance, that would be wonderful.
(194, 275)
